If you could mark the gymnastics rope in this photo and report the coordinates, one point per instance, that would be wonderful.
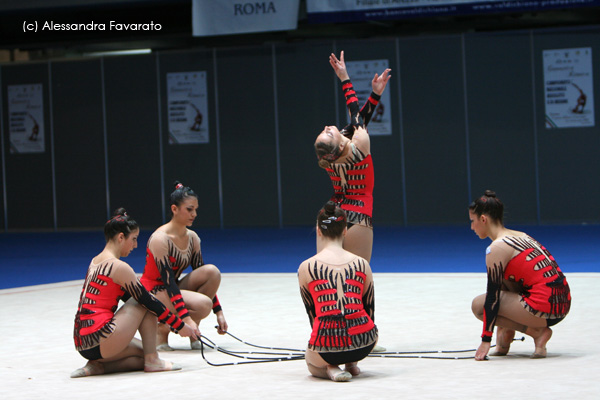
(255, 357)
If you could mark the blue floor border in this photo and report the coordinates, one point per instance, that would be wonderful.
(48, 257)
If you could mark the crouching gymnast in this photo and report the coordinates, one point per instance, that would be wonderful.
(338, 293)
(526, 290)
(105, 335)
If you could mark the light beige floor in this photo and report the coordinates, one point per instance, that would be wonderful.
(413, 312)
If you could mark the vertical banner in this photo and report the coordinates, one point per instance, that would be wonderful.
(568, 88)
(361, 73)
(187, 107)
(26, 118)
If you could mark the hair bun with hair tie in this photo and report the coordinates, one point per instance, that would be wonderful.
(179, 186)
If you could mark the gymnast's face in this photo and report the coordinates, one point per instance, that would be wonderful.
(330, 135)
(478, 224)
(186, 212)
(130, 243)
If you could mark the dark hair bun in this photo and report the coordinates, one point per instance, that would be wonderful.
(490, 193)
(178, 185)
(323, 163)
(119, 212)
(329, 208)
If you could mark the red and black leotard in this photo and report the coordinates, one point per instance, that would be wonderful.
(543, 288)
(105, 284)
(340, 304)
(164, 264)
(353, 182)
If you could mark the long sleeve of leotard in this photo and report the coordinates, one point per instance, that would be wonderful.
(125, 276)
(366, 112)
(197, 262)
(356, 120)
(158, 256)
(498, 256)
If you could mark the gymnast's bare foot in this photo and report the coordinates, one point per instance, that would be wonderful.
(159, 365)
(353, 369)
(337, 375)
(89, 369)
(540, 341)
(504, 338)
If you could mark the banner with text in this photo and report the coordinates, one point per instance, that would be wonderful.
(325, 11)
(569, 88)
(26, 118)
(227, 17)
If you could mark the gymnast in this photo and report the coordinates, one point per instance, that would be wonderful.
(338, 293)
(105, 337)
(526, 290)
(171, 249)
(346, 156)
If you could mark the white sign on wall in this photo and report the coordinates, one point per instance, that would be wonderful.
(26, 118)
(187, 107)
(568, 88)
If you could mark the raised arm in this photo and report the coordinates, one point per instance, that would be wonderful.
(339, 67)
(378, 85)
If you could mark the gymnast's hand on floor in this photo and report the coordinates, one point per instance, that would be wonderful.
(482, 351)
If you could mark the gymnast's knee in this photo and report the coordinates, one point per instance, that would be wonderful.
(212, 271)
(477, 306)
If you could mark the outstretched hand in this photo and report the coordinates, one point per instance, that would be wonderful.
(380, 81)
(339, 66)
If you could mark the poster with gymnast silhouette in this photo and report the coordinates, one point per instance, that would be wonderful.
(26, 118)
(361, 74)
(187, 107)
(568, 88)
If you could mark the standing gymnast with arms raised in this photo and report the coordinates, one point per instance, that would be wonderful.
(346, 156)
(526, 290)
(105, 335)
(338, 293)
(171, 249)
